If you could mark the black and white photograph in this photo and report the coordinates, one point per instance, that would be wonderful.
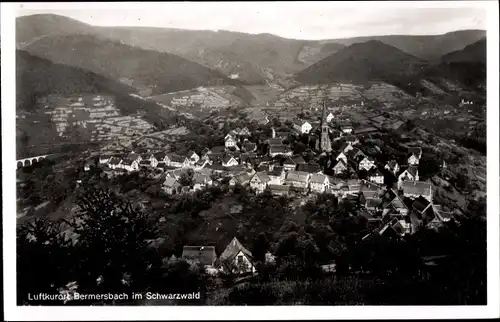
(253, 155)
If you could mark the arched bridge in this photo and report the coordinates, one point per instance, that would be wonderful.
(26, 162)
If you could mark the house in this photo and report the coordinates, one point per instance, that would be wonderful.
(442, 214)
(114, 162)
(346, 147)
(215, 167)
(201, 181)
(276, 150)
(277, 175)
(178, 161)
(340, 167)
(176, 173)
(373, 204)
(303, 127)
(355, 154)
(319, 183)
(414, 155)
(279, 190)
(244, 132)
(217, 150)
(204, 152)
(392, 166)
(201, 164)
(347, 129)
(329, 117)
(392, 202)
(259, 181)
(408, 174)
(342, 156)
(393, 229)
(204, 255)
(135, 157)
(193, 157)
(414, 189)
(370, 190)
(171, 185)
(145, 164)
(229, 161)
(130, 165)
(366, 164)
(351, 139)
(237, 259)
(289, 165)
(376, 176)
(161, 157)
(241, 179)
(230, 141)
(104, 158)
(297, 179)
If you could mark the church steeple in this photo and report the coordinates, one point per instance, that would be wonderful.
(326, 145)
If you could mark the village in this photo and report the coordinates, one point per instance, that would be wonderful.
(395, 207)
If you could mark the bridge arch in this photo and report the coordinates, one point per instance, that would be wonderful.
(27, 163)
(20, 164)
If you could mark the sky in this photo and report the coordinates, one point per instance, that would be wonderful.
(298, 20)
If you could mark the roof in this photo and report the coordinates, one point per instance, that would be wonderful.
(341, 163)
(318, 178)
(201, 178)
(392, 164)
(128, 161)
(350, 138)
(249, 146)
(276, 172)
(373, 203)
(278, 187)
(441, 213)
(275, 141)
(115, 160)
(362, 130)
(289, 161)
(170, 182)
(299, 176)
(191, 153)
(218, 149)
(160, 155)
(262, 176)
(421, 188)
(205, 150)
(298, 159)
(227, 158)
(309, 167)
(176, 158)
(204, 254)
(376, 173)
(277, 149)
(421, 204)
(415, 150)
(145, 162)
(134, 156)
(233, 249)
(243, 178)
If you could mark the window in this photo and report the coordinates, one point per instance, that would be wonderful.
(240, 259)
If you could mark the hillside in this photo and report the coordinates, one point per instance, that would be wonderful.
(145, 70)
(31, 28)
(37, 77)
(253, 59)
(360, 63)
(475, 52)
(428, 47)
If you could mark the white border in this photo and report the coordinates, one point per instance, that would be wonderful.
(275, 312)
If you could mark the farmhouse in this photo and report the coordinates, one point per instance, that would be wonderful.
(259, 181)
(201, 181)
(340, 167)
(171, 186)
(366, 164)
(408, 174)
(229, 161)
(303, 127)
(277, 175)
(297, 179)
(237, 259)
(130, 165)
(415, 189)
(230, 141)
(319, 183)
(376, 176)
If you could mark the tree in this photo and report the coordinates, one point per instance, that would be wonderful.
(186, 178)
(260, 247)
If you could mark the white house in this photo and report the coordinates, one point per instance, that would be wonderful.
(376, 176)
(340, 167)
(302, 127)
(277, 175)
(229, 161)
(366, 164)
(237, 259)
(130, 165)
(114, 162)
(319, 183)
(259, 181)
(414, 155)
(346, 129)
(297, 179)
(392, 166)
(241, 179)
(347, 147)
(230, 141)
(104, 159)
(409, 174)
(193, 157)
(178, 161)
(276, 150)
(201, 181)
(342, 157)
(171, 185)
(329, 117)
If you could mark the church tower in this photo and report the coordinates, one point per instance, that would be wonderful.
(326, 144)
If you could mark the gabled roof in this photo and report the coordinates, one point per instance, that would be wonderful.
(373, 203)
(275, 141)
(115, 161)
(276, 172)
(145, 162)
(170, 182)
(318, 178)
(128, 161)
(201, 178)
(218, 149)
(134, 156)
(278, 187)
(289, 161)
(375, 173)
(420, 188)
(191, 154)
(299, 176)
(262, 177)
(204, 254)
(298, 159)
(227, 158)
(176, 158)
(421, 204)
(392, 164)
(243, 178)
(233, 249)
(160, 155)
(340, 164)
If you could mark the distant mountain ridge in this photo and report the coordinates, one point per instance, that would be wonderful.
(252, 58)
(142, 69)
